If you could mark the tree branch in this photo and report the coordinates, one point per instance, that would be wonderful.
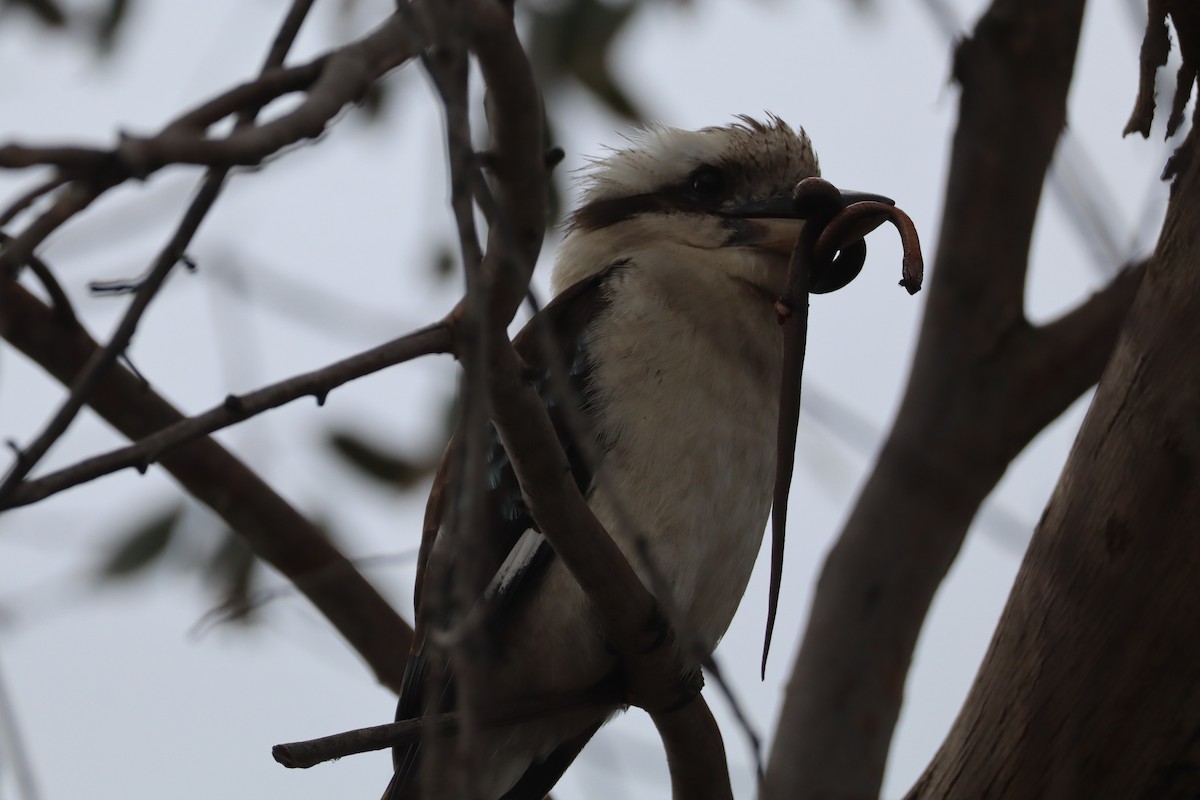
(517, 164)
(516, 159)
(275, 531)
(302, 755)
(30, 197)
(464, 527)
(633, 623)
(695, 752)
(385, 43)
(139, 156)
(656, 676)
(1065, 357)
(103, 358)
(331, 82)
(58, 298)
(956, 433)
(73, 198)
(1097, 635)
(437, 338)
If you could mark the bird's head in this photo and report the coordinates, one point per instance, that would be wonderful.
(718, 200)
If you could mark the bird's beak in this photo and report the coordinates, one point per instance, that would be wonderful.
(774, 224)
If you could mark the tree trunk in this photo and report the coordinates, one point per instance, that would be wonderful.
(1091, 687)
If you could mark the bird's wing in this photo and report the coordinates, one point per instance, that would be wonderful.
(556, 339)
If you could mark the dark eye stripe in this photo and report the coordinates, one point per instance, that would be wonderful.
(602, 213)
(681, 198)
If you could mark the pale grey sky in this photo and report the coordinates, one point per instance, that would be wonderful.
(113, 694)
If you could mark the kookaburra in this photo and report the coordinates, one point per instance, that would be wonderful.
(664, 316)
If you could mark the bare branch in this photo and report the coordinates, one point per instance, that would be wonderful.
(1065, 357)
(273, 83)
(274, 530)
(302, 755)
(70, 201)
(1155, 46)
(629, 611)
(1097, 632)
(289, 29)
(103, 359)
(332, 81)
(463, 527)
(695, 752)
(30, 197)
(516, 159)
(437, 338)
(655, 676)
(41, 270)
(955, 433)
(309, 753)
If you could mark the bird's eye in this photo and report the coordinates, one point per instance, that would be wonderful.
(707, 181)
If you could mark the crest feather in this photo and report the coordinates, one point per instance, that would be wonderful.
(659, 156)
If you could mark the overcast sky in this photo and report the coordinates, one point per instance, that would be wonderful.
(114, 692)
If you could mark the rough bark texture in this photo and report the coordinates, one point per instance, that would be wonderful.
(984, 382)
(1091, 687)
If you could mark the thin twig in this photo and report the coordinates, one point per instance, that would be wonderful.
(688, 642)
(274, 530)
(82, 386)
(272, 84)
(464, 528)
(437, 338)
(73, 198)
(331, 82)
(517, 162)
(41, 270)
(170, 255)
(302, 755)
(30, 197)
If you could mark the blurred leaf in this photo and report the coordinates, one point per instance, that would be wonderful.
(47, 11)
(389, 467)
(235, 565)
(596, 78)
(141, 547)
(110, 24)
(573, 40)
(233, 568)
(444, 262)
